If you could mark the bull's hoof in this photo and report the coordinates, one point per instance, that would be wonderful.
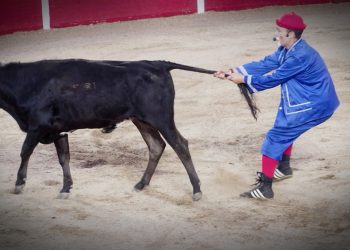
(109, 129)
(19, 189)
(63, 196)
(139, 186)
(197, 196)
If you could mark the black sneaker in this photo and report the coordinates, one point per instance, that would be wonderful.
(263, 191)
(283, 170)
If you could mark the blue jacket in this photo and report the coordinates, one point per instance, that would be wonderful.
(307, 90)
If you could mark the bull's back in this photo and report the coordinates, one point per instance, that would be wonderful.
(73, 94)
(91, 95)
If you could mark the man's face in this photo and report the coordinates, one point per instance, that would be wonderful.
(283, 36)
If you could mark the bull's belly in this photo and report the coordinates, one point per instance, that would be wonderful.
(73, 117)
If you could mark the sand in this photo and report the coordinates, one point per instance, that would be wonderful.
(309, 211)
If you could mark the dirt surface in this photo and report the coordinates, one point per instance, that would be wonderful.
(309, 211)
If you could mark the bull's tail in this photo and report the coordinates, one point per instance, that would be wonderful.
(171, 66)
(242, 87)
(250, 100)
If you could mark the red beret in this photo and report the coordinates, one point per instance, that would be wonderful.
(291, 21)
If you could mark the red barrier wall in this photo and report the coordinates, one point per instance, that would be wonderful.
(20, 15)
(23, 15)
(248, 4)
(73, 12)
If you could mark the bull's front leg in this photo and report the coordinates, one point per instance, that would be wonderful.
(62, 148)
(29, 144)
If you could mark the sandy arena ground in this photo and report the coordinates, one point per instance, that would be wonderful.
(310, 211)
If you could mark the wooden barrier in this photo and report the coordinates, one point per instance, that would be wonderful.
(20, 15)
(24, 15)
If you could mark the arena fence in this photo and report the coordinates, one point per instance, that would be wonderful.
(25, 15)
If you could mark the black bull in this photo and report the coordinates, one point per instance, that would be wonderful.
(49, 97)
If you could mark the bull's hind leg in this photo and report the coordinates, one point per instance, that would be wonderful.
(180, 145)
(62, 148)
(156, 147)
(29, 144)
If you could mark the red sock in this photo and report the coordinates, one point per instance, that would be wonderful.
(268, 166)
(288, 151)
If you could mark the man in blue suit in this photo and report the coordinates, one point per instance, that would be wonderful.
(308, 97)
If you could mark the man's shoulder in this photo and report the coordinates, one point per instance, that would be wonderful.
(302, 51)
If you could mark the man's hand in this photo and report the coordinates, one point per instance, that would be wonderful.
(229, 75)
(222, 74)
(236, 78)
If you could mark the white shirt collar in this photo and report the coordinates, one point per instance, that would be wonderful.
(293, 45)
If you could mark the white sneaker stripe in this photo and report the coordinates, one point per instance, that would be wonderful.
(261, 195)
(257, 194)
(278, 174)
(253, 194)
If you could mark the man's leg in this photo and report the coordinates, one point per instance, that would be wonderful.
(263, 190)
(283, 170)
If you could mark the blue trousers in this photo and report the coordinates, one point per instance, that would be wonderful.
(278, 139)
